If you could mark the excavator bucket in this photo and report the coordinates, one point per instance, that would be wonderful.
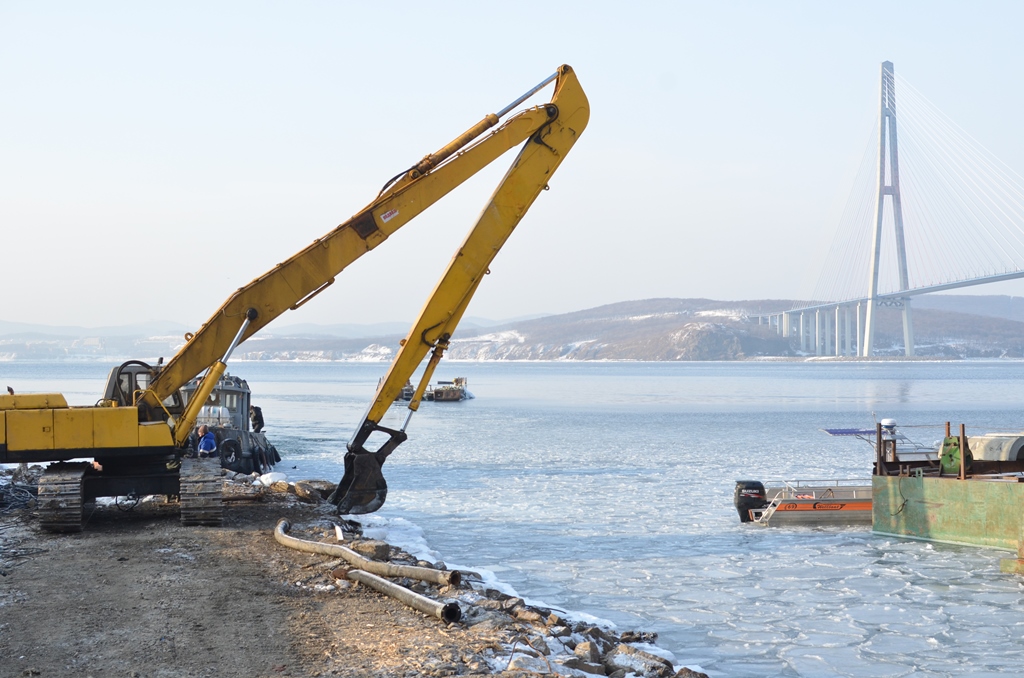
(362, 489)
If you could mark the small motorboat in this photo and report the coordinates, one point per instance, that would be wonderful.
(804, 502)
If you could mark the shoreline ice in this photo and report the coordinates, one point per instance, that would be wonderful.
(409, 537)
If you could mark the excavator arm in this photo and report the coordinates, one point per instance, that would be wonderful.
(298, 279)
(362, 488)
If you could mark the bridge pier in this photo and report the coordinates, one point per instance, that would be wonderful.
(847, 346)
(828, 334)
(908, 325)
(908, 329)
(817, 331)
(828, 330)
(860, 333)
(839, 347)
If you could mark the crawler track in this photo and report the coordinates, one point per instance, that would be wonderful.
(60, 498)
(202, 492)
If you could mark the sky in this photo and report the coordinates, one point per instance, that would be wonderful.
(155, 157)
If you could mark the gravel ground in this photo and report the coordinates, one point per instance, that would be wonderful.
(138, 595)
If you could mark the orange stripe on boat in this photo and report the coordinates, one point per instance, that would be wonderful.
(853, 505)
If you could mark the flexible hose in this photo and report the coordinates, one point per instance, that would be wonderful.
(447, 612)
(439, 577)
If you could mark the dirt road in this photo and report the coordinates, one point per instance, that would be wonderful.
(137, 594)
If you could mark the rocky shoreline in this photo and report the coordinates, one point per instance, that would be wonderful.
(533, 639)
(137, 594)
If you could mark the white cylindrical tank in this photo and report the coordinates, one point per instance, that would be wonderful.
(997, 446)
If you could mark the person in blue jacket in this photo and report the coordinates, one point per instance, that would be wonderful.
(207, 443)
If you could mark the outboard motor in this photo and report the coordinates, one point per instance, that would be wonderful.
(749, 494)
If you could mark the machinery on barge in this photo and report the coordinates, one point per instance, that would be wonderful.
(444, 392)
(450, 391)
(134, 440)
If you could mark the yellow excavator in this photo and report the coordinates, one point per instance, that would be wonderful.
(136, 434)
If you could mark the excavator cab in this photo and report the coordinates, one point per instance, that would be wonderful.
(128, 381)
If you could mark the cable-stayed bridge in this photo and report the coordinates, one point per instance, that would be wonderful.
(931, 210)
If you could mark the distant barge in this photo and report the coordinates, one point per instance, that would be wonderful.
(445, 391)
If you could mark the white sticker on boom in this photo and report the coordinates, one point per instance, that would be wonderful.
(388, 216)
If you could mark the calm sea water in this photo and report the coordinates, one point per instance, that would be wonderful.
(607, 488)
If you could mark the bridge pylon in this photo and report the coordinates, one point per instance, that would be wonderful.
(888, 185)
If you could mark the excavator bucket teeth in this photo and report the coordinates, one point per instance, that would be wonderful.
(362, 489)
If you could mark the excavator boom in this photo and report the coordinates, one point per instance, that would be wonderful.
(298, 279)
(363, 489)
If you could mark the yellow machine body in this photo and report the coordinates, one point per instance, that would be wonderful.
(41, 427)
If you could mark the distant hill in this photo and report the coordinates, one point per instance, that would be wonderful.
(649, 329)
(356, 331)
(993, 306)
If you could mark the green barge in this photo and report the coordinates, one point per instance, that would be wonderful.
(952, 498)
